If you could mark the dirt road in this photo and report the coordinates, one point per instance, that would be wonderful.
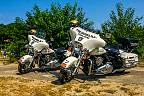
(129, 83)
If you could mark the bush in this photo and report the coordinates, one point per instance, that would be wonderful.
(140, 51)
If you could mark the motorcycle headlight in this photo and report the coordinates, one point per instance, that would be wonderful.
(76, 52)
(78, 45)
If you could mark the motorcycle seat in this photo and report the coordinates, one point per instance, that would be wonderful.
(60, 50)
(112, 50)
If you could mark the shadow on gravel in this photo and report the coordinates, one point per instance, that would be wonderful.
(97, 77)
(56, 82)
(118, 74)
(39, 70)
(90, 77)
(81, 78)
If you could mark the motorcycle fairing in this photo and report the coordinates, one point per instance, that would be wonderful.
(37, 43)
(33, 38)
(89, 40)
(40, 45)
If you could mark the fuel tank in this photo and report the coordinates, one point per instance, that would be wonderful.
(98, 51)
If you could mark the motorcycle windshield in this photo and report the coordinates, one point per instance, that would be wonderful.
(89, 40)
(32, 39)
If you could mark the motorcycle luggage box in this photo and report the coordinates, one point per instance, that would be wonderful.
(129, 42)
(60, 50)
(130, 59)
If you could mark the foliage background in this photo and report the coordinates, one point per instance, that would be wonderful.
(49, 23)
(124, 23)
(54, 23)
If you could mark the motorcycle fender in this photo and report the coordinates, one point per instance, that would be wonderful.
(24, 59)
(69, 61)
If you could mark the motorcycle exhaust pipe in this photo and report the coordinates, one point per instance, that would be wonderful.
(105, 69)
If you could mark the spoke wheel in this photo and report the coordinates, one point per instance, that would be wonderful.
(62, 78)
(22, 68)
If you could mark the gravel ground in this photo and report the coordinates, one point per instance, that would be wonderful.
(129, 83)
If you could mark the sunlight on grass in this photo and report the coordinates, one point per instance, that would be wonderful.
(16, 86)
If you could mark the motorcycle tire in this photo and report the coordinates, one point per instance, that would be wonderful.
(22, 69)
(63, 78)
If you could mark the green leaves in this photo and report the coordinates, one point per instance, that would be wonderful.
(50, 23)
(55, 21)
(14, 37)
(124, 23)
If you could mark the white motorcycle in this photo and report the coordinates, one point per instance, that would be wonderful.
(36, 46)
(88, 52)
(40, 54)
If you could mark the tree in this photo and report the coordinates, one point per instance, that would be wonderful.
(124, 23)
(2, 35)
(17, 33)
(52, 23)
(55, 21)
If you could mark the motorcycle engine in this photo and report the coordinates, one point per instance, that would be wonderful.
(99, 61)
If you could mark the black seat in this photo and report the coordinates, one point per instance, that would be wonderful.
(112, 49)
(60, 50)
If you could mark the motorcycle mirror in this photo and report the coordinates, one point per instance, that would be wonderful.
(70, 43)
(27, 46)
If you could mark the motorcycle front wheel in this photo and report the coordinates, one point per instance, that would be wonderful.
(62, 78)
(23, 68)
(65, 76)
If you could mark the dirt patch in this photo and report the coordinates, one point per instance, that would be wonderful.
(129, 83)
(17, 86)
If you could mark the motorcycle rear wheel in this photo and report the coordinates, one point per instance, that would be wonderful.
(62, 78)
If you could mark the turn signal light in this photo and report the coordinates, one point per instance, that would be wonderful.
(63, 65)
